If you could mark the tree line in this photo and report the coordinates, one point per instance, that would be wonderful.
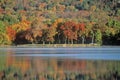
(58, 32)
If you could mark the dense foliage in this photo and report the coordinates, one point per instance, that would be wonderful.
(64, 21)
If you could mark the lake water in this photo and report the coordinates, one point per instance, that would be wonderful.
(102, 63)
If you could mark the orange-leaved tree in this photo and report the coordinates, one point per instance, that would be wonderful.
(81, 31)
(21, 26)
(14, 29)
(11, 33)
(69, 30)
(52, 30)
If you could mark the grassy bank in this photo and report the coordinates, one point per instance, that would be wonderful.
(52, 45)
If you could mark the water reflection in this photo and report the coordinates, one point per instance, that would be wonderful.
(44, 68)
(13, 67)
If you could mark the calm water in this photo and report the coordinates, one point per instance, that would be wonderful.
(60, 63)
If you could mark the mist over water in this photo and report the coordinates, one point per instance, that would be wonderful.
(100, 53)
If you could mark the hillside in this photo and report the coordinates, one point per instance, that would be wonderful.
(60, 21)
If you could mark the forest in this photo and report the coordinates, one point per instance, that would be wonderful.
(59, 22)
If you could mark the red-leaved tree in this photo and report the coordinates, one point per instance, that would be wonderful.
(69, 30)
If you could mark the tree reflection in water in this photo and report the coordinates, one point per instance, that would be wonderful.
(44, 68)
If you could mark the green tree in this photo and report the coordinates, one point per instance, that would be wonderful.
(98, 36)
(114, 25)
(3, 37)
(118, 12)
(9, 19)
(2, 27)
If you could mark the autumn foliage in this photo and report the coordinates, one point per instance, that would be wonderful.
(63, 21)
(12, 30)
(11, 33)
(59, 31)
(70, 29)
(21, 26)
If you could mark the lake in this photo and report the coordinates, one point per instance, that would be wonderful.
(100, 63)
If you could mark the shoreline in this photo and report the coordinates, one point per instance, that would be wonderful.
(50, 45)
(56, 46)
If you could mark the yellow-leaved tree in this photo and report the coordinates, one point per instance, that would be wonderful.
(12, 30)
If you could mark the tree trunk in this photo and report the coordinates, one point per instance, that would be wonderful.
(68, 41)
(72, 41)
(92, 38)
(58, 39)
(43, 42)
(65, 40)
(83, 39)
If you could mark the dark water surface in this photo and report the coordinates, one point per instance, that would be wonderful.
(101, 63)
